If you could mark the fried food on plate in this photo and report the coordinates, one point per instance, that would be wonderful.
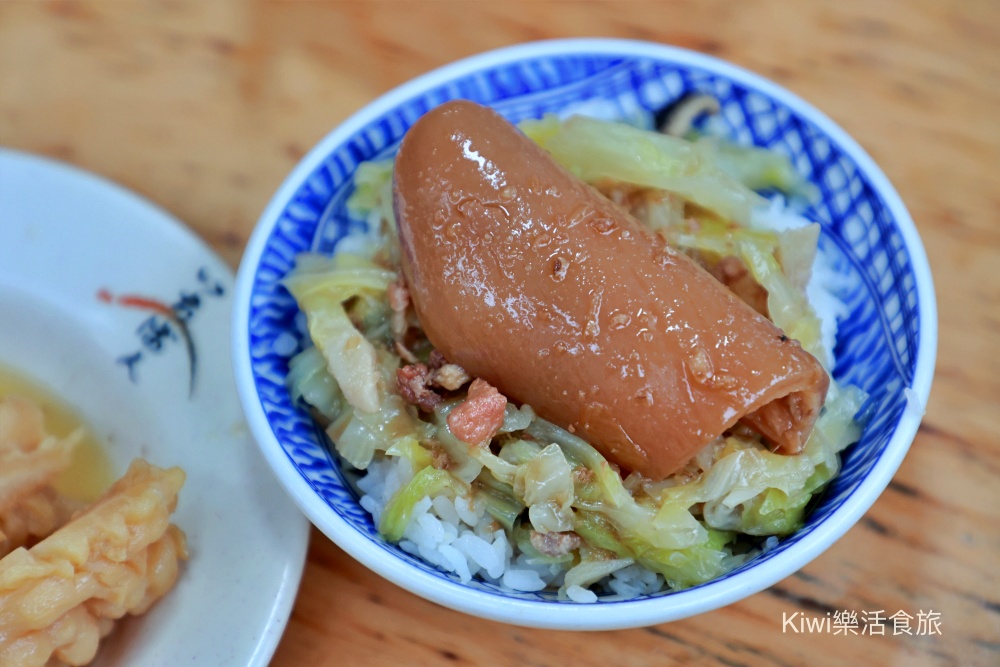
(30, 461)
(116, 557)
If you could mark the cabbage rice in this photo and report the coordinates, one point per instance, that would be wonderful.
(540, 508)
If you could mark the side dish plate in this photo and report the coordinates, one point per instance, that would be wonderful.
(118, 309)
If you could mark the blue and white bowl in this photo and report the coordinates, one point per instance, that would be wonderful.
(886, 345)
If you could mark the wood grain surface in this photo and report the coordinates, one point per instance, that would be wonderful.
(203, 107)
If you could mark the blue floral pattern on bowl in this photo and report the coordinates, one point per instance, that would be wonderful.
(877, 343)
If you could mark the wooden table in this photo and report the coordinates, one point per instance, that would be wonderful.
(203, 107)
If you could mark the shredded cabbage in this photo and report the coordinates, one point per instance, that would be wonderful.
(310, 381)
(591, 570)
(758, 168)
(545, 483)
(499, 500)
(596, 149)
(427, 482)
(372, 190)
(789, 308)
(364, 433)
(372, 201)
(321, 288)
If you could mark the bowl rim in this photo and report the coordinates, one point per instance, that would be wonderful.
(626, 614)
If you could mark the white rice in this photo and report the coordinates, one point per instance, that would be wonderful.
(458, 536)
(581, 594)
(523, 580)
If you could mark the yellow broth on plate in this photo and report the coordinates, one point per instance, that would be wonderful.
(90, 473)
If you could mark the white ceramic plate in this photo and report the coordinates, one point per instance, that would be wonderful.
(123, 313)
